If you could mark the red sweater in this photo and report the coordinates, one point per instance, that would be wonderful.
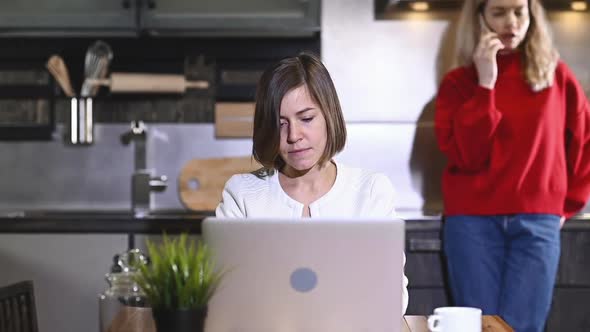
(511, 150)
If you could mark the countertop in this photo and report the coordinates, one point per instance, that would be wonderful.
(170, 221)
(101, 221)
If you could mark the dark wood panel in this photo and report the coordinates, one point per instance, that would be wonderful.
(570, 310)
(423, 301)
(428, 289)
(574, 265)
(425, 263)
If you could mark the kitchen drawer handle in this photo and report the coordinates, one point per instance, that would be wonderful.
(424, 245)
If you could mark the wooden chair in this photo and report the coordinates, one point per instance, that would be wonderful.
(17, 308)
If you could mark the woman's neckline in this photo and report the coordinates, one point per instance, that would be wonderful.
(324, 197)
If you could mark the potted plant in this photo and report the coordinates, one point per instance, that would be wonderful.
(178, 283)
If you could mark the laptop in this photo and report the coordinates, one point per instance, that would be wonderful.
(294, 275)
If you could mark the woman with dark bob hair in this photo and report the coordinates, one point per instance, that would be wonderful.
(298, 129)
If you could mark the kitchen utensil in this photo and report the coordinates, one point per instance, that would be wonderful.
(201, 181)
(234, 119)
(58, 69)
(80, 129)
(455, 319)
(148, 83)
(96, 63)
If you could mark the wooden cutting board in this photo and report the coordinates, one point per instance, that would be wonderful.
(201, 181)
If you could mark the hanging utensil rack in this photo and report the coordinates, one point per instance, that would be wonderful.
(28, 130)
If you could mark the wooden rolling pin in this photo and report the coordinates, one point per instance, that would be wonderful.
(148, 83)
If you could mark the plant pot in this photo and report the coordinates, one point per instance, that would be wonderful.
(180, 320)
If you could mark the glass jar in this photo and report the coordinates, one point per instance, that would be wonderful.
(123, 306)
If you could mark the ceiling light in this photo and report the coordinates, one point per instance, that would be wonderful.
(421, 6)
(579, 6)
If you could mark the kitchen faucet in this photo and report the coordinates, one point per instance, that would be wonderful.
(143, 182)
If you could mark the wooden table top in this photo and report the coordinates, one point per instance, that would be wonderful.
(489, 324)
(140, 319)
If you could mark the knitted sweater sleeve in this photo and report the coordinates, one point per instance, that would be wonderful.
(230, 206)
(577, 144)
(465, 122)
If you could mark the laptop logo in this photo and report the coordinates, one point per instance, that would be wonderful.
(304, 279)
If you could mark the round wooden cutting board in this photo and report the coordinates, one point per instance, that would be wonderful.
(201, 181)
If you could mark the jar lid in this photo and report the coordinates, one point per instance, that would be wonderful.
(131, 260)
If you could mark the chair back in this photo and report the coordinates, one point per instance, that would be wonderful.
(17, 308)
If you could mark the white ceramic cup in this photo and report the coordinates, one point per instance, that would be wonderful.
(455, 319)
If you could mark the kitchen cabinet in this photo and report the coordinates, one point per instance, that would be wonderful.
(425, 267)
(67, 253)
(67, 17)
(230, 17)
(159, 17)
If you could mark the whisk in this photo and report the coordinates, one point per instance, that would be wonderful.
(96, 64)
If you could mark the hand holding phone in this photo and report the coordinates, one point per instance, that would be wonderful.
(484, 56)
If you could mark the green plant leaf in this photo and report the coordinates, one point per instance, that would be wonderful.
(180, 275)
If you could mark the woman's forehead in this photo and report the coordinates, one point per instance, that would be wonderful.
(296, 101)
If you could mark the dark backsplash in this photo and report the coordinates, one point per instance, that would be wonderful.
(231, 65)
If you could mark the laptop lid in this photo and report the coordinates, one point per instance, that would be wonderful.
(306, 275)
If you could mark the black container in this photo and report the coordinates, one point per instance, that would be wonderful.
(180, 320)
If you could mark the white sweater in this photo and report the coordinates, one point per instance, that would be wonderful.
(355, 193)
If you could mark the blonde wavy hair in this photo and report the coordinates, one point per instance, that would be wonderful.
(539, 54)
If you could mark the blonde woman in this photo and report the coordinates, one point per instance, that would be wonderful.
(515, 125)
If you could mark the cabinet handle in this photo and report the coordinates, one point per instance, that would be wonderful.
(424, 245)
(126, 4)
(151, 4)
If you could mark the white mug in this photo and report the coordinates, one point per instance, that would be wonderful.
(455, 319)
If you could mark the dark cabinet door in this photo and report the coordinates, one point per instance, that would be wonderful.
(67, 17)
(231, 18)
(160, 17)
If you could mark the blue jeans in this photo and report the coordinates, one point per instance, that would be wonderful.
(506, 265)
